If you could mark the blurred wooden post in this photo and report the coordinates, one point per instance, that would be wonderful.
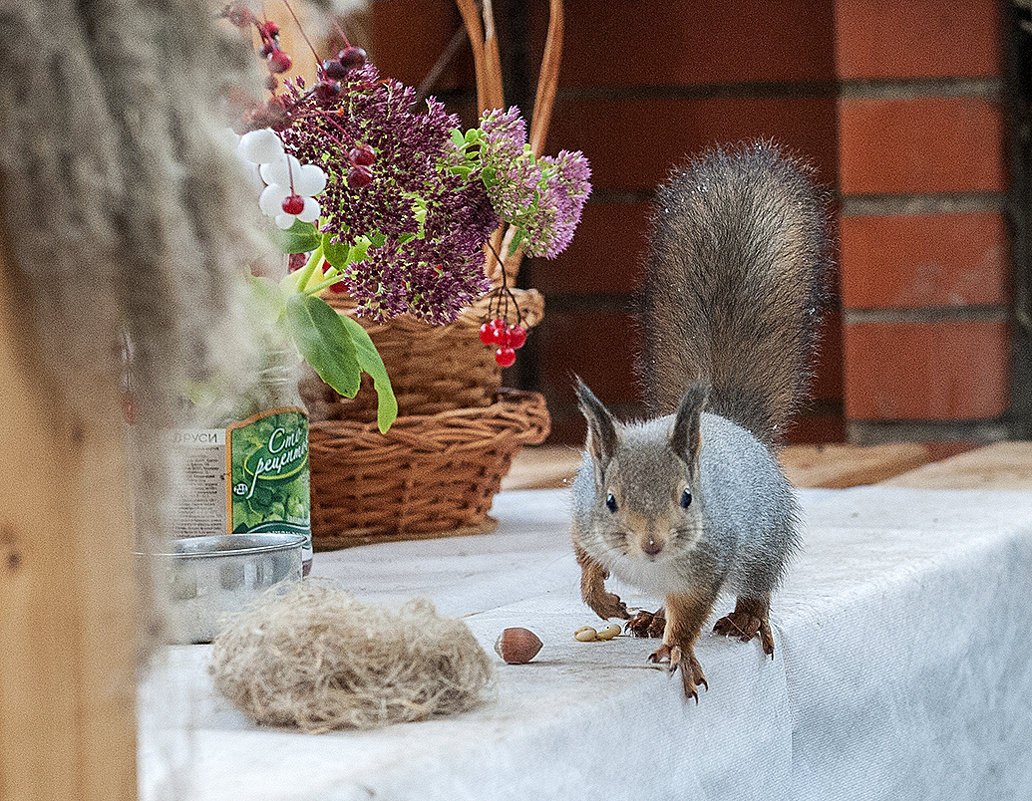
(67, 648)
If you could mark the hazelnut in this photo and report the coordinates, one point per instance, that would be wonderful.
(585, 634)
(609, 632)
(517, 646)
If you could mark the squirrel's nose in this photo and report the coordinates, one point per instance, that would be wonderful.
(651, 547)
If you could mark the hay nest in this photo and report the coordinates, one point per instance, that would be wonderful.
(316, 658)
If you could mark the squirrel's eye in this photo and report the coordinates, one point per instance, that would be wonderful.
(686, 498)
(611, 503)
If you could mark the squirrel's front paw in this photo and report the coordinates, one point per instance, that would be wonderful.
(683, 658)
(647, 624)
(607, 605)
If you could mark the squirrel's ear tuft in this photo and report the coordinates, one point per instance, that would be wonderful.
(601, 441)
(686, 435)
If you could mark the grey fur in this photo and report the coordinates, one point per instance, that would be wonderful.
(735, 285)
(737, 534)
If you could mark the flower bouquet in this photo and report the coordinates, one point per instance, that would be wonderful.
(387, 211)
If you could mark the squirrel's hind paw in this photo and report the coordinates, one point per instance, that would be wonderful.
(647, 624)
(745, 626)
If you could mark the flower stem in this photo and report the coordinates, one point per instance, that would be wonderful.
(333, 279)
(306, 272)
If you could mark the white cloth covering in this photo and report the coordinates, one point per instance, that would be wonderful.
(903, 670)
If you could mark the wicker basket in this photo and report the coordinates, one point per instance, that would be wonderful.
(432, 368)
(428, 476)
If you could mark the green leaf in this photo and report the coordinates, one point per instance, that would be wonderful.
(457, 138)
(473, 135)
(336, 254)
(406, 237)
(518, 237)
(325, 342)
(301, 237)
(378, 240)
(370, 361)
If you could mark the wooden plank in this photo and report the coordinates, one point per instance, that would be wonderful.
(1005, 465)
(67, 606)
(838, 466)
(543, 467)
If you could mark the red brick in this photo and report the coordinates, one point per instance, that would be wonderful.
(605, 257)
(952, 144)
(926, 371)
(922, 38)
(827, 383)
(660, 43)
(924, 260)
(814, 428)
(597, 346)
(632, 144)
(409, 36)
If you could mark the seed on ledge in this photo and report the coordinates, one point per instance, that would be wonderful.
(517, 646)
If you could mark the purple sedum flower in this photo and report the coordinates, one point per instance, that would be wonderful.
(542, 197)
(430, 267)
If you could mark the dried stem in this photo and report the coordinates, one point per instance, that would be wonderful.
(487, 65)
(548, 78)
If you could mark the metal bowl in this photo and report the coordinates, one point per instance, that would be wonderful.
(206, 577)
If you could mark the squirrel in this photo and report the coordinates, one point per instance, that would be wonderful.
(693, 502)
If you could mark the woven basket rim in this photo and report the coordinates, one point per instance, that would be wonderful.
(505, 399)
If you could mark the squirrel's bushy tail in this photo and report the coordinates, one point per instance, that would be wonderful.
(735, 286)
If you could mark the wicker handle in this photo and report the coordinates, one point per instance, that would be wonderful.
(490, 94)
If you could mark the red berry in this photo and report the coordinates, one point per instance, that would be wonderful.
(334, 69)
(359, 176)
(362, 154)
(489, 334)
(268, 30)
(505, 356)
(279, 61)
(352, 57)
(267, 49)
(517, 336)
(238, 15)
(326, 90)
(338, 287)
(294, 204)
(296, 261)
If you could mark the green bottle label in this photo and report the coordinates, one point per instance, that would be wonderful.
(267, 468)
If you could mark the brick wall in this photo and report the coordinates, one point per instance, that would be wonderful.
(897, 104)
(924, 242)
